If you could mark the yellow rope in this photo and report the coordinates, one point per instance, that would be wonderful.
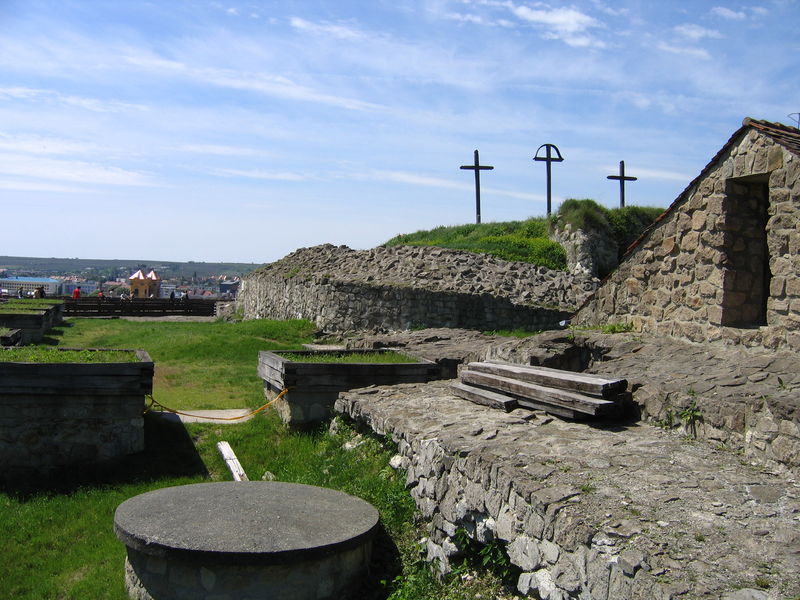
(153, 401)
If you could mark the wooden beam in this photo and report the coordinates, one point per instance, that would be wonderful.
(563, 398)
(557, 378)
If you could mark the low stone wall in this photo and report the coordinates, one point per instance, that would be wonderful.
(56, 416)
(607, 512)
(406, 287)
(44, 436)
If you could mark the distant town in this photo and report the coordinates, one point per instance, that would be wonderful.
(28, 276)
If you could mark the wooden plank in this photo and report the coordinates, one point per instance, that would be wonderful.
(549, 408)
(563, 398)
(557, 378)
(482, 396)
(233, 463)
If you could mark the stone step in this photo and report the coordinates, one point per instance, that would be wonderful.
(541, 396)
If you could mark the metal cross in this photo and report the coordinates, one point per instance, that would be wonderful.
(548, 158)
(622, 179)
(477, 167)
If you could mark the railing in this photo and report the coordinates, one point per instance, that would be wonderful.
(138, 307)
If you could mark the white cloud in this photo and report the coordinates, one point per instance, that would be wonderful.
(70, 170)
(694, 52)
(40, 186)
(34, 144)
(220, 150)
(266, 175)
(660, 174)
(465, 18)
(337, 31)
(91, 104)
(437, 182)
(696, 32)
(566, 24)
(727, 13)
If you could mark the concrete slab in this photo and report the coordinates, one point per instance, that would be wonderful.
(209, 416)
(245, 540)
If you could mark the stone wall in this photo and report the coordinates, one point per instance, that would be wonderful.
(43, 436)
(723, 263)
(590, 253)
(341, 289)
(600, 511)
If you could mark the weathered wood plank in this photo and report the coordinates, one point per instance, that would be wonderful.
(566, 399)
(233, 463)
(568, 380)
(484, 397)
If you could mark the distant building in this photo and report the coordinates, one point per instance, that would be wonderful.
(29, 284)
(229, 287)
(145, 286)
(87, 287)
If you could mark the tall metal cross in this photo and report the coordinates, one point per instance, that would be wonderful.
(477, 167)
(548, 158)
(622, 179)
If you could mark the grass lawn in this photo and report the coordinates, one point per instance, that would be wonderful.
(58, 539)
(199, 365)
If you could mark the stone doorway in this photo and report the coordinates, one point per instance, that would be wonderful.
(746, 272)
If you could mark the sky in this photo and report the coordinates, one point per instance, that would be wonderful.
(239, 131)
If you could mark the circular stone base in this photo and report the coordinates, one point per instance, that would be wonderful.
(237, 540)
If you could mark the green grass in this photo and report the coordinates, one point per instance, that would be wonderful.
(349, 357)
(58, 538)
(48, 354)
(525, 241)
(198, 365)
(16, 309)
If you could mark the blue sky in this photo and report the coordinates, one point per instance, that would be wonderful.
(240, 131)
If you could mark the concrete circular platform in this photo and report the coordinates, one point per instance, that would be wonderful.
(244, 540)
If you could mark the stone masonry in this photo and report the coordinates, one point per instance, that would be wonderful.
(723, 262)
(600, 512)
(394, 288)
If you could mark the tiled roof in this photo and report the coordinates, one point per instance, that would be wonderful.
(788, 137)
(137, 275)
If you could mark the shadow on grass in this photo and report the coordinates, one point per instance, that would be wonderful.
(169, 453)
(384, 566)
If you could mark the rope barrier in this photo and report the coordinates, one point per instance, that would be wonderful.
(155, 402)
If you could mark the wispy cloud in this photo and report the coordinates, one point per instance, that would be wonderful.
(219, 150)
(35, 144)
(696, 32)
(661, 174)
(258, 174)
(41, 186)
(91, 104)
(408, 178)
(694, 52)
(342, 32)
(71, 170)
(727, 13)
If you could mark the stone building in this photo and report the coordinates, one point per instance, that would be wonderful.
(722, 262)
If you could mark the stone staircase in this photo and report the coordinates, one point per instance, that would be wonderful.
(563, 393)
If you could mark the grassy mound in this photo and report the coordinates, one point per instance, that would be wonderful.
(525, 241)
(623, 224)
